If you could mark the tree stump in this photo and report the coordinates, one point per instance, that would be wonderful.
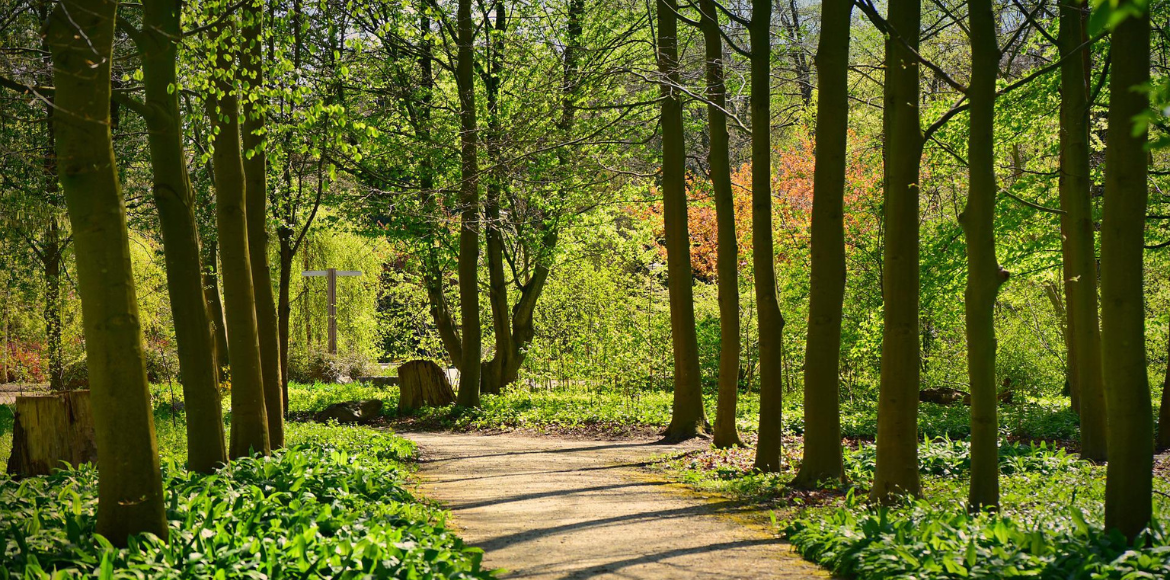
(423, 384)
(50, 429)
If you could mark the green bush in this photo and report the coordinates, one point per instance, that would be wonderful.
(333, 505)
(323, 367)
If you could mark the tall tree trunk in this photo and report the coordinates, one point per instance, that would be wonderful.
(984, 274)
(822, 423)
(256, 186)
(469, 218)
(1080, 268)
(1128, 486)
(718, 159)
(175, 200)
(52, 252)
(897, 437)
(493, 378)
(768, 317)
(249, 415)
(284, 305)
(215, 304)
(688, 418)
(80, 34)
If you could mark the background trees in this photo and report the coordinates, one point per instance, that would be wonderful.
(952, 141)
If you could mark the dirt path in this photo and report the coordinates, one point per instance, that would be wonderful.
(551, 508)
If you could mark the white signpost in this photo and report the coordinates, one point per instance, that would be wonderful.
(331, 290)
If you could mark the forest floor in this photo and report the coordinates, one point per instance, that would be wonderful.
(546, 507)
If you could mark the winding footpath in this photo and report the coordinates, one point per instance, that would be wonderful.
(547, 508)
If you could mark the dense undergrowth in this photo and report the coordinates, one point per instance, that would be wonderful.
(333, 504)
(1049, 525)
(616, 412)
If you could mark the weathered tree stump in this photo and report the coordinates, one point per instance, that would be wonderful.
(50, 429)
(423, 383)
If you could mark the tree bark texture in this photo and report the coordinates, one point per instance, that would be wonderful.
(469, 218)
(727, 256)
(256, 185)
(80, 34)
(175, 200)
(1080, 267)
(768, 318)
(897, 438)
(687, 418)
(249, 431)
(422, 383)
(984, 274)
(1128, 484)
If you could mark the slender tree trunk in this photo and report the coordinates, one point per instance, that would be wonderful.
(718, 158)
(175, 201)
(1077, 222)
(1128, 486)
(469, 219)
(215, 304)
(1162, 442)
(897, 437)
(984, 274)
(256, 179)
(792, 28)
(80, 34)
(249, 415)
(822, 423)
(284, 306)
(768, 317)
(52, 251)
(688, 418)
(492, 381)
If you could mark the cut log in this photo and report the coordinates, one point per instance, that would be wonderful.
(352, 412)
(942, 396)
(50, 429)
(379, 381)
(423, 383)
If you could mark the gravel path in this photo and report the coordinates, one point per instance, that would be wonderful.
(554, 508)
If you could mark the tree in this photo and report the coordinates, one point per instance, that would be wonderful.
(469, 220)
(687, 416)
(1080, 264)
(984, 274)
(1128, 486)
(718, 159)
(253, 133)
(896, 472)
(249, 415)
(822, 433)
(157, 44)
(80, 35)
(768, 316)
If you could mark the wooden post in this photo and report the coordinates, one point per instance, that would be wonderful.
(331, 295)
(332, 292)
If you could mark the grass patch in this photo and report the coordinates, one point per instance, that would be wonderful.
(331, 505)
(1050, 524)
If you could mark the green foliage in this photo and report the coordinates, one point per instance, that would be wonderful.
(928, 541)
(322, 367)
(332, 505)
